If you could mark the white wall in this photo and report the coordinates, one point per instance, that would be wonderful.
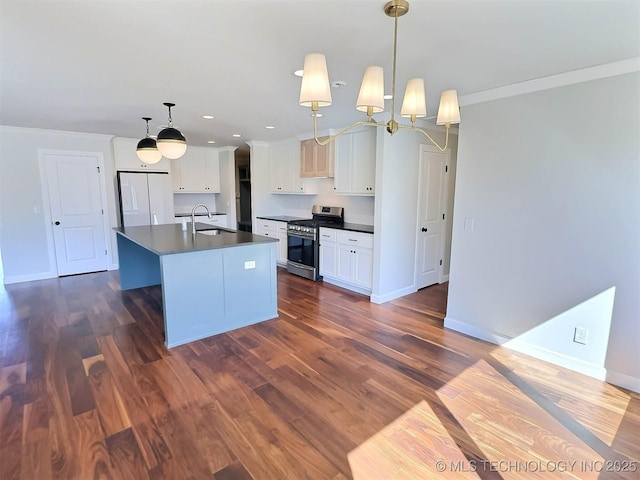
(396, 210)
(552, 182)
(23, 230)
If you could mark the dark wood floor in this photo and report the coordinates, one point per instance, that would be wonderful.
(335, 388)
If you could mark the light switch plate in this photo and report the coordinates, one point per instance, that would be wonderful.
(249, 264)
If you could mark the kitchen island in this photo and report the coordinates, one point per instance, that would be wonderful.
(212, 282)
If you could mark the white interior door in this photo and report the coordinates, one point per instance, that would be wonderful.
(77, 213)
(431, 210)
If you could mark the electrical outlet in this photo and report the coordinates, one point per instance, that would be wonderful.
(580, 335)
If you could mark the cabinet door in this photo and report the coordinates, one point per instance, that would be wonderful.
(316, 160)
(363, 267)
(293, 183)
(217, 220)
(363, 161)
(328, 259)
(125, 157)
(343, 164)
(324, 159)
(307, 158)
(282, 245)
(211, 172)
(193, 166)
(176, 176)
(345, 263)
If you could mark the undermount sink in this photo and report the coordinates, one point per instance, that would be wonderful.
(213, 231)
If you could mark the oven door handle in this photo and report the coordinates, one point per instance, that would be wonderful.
(298, 235)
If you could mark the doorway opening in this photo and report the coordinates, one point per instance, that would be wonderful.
(243, 189)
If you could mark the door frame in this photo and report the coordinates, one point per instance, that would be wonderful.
(46, 202)
(445, 207)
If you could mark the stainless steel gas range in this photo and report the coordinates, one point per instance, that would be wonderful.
(303, 246)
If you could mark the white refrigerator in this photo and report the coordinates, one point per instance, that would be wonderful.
(145, 198)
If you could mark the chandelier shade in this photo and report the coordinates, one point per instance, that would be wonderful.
(315, 92)
(371, 90)
(414, 104)
(315, 87)
(449, 110)
(147, 149)
(171, 142)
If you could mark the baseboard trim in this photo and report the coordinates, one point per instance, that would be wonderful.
(346, 286)
(393, 295)
(29, 278)
(592, 370)
(623, 380)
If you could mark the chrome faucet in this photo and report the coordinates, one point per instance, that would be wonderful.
(193, 216)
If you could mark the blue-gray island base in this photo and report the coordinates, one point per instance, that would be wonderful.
(210, 283)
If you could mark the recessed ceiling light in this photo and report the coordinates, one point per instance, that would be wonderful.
(298, 73)
(211, 141)
(208, 117)
(269, 127)
(237, 135)
(388, 96)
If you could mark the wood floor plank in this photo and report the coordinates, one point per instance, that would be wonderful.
(125, 455)
(336, 387)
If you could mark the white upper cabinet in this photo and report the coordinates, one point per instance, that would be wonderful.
(197, 171)
(284, 168)
(355, 163)
(125, 157)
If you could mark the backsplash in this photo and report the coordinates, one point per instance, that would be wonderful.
(357, 209)
(184, 202)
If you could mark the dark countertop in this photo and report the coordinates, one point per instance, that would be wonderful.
(283, 218)
(169, 238)
(198, 214)
(353, 227)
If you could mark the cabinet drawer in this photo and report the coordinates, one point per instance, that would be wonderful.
(269, 225)
(328, 235)
(364, 240)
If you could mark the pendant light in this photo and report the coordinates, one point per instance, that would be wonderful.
(147, 149)
(171, 142)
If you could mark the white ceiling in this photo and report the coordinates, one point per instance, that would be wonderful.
(99, 66)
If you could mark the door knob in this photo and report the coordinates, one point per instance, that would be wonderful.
(423, 229)
(57, 223)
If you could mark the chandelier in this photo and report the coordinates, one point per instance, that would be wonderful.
(315, 92)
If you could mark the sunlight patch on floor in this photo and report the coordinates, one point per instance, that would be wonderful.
(414, 446)
(607, 405)
(518, 438)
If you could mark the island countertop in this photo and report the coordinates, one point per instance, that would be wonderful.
(169, 239)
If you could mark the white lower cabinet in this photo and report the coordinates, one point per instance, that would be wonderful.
(275, 229)
(216, 220)
(346, 258)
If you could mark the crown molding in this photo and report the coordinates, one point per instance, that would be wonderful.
(553, 81)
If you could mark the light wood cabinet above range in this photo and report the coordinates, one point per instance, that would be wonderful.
(316, 160)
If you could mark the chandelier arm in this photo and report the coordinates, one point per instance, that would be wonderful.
(331, 138)
(418, 129)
